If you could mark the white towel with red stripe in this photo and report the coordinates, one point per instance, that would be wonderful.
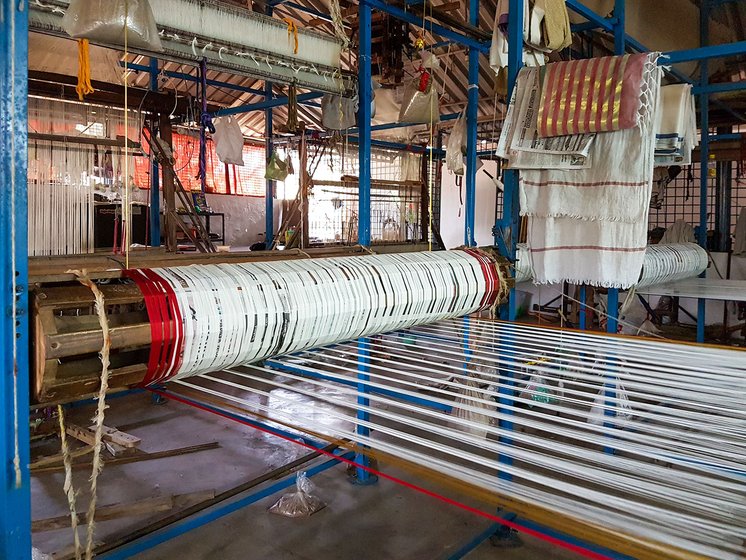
(617, 186)
(594, 252)
(590, 225)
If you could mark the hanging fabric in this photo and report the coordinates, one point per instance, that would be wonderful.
(228, 140)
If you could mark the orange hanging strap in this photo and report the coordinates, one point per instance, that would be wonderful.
(292, 29)
(84, 86)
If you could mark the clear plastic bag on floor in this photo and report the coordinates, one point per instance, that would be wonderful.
(105, 21)
(299, 503)
(37, 554)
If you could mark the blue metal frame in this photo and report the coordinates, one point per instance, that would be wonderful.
(269, 194)
(364, 126)
(155, 174)
(704, 147)
(15, 501)
(472, 106)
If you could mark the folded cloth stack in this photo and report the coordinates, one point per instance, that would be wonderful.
(677, 136)
(587, 213)
(546, 28)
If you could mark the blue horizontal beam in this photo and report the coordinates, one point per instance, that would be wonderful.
(438, 29)
(723, 137)
(266, 104)
(704, 53)
(190, 78)
(721, 87)
(606, 24)
(389, 126)
(585, 26)
(440, 44)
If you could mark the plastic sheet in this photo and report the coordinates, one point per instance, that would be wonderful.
(277, 170)
(456, 147)
(618, 399)
(228, 140)
(105, 21)
(419, 106)
(299, 503)
(337, 112)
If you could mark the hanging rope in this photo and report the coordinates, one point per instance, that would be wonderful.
(68, 484)
(292, 30)
(98, 420)
(339, 31)
(84, 86)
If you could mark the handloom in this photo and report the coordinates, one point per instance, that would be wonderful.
(634, 445)
(186, 320)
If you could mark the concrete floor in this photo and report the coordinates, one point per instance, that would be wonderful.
(384, 521)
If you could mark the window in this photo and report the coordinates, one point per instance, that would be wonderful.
(246, 180)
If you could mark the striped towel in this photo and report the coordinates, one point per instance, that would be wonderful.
(677, 135)
(616, 186)
(597, 253)
(591, 95)
(590, 225)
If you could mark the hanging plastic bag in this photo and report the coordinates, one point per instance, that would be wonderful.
(277, 170)
(618, 399)
(228, 140)
(479, 422)
(420, 104)
(105, 21)
(374, 85)
(337, 112)
(299, 503)
(456, 147)
(540, 390)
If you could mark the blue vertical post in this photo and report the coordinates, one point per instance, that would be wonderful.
(269, 200)
(363, 234)
(155, 179)
(612, 307)
(15, 496)
(619, 49)
(472, 108)
(269, 194)
(203, 127)
(582, 308)
(510, 218)
(364, 93)
(704, 152)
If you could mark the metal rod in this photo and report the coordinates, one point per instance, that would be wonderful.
(704, 153)
(266, 104)
(365, 93)
(15, 494)
(155, 173)
(472, 107)
(269, 193)
(704, 53)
